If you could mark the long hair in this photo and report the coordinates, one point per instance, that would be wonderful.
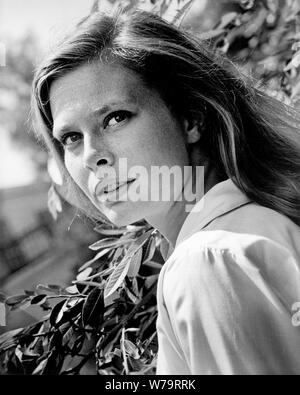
(249, 137)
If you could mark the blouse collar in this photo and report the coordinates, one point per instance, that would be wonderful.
(220, 199)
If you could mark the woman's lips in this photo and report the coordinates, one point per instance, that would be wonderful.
(104, 190)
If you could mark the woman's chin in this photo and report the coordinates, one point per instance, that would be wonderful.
(121, 218)
(126, 213)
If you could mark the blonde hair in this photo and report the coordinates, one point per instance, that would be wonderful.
(249, 137)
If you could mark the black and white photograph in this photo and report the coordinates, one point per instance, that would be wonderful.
(149, 190)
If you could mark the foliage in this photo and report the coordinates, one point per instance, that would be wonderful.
(263, 37)
(108, 314)
(103, 314)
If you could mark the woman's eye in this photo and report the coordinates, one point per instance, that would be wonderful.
(115, 118)
(70, 138)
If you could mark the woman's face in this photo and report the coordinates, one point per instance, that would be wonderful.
(104, 116)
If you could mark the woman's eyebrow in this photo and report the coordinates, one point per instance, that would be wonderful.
(109, 106)
(58, 130)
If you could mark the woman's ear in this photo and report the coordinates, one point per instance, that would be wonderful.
(191, 131)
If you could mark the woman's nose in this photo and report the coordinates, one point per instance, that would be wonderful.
(94, 158)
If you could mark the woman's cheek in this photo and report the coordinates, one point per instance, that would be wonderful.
(76, 170)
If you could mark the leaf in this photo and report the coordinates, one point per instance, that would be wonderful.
(15, 300)
(135, 263)
(38, 346)
(227, 19)
(83, 275)
(18, 353)
(131, 296)
(150, 268)
(56, 313)
(118, 253)
(56, 289)
(135, 287)
(96, 257)
(177, 20)
(294, 63)
(49, 365)
(111, 298)
(67, 336)
(159, 7)
(109, 232)
(151, 280)
(40, 368)
(78, 343)
(118, 275)
(154, 265)
(131, 349)
(54, 203)
(140, 241)
(93, 308)
(63, 312)
(74, 307)
(135, 228)
(164, 248)
(109, 242)
(73, 290)
(151, 247)
(147, 326)
(12, 300)
(39, 299)
(9, 338)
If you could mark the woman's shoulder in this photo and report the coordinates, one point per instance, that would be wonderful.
(254, 227)
(246, 222)
(253, 218)
(223, 251)
(247, 239)
(225, 258)
(210, 243)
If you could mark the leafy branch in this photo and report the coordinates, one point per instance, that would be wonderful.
(106, 300)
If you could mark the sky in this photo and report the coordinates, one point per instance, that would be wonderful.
(49, 19)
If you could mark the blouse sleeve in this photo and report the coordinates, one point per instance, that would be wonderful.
(230, 309)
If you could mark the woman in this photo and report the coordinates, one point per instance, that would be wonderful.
(134, 87)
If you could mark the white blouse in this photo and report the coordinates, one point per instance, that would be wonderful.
(228, 295)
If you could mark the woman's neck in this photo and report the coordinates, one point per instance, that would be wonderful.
(169, 221)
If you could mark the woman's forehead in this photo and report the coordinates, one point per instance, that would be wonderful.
(94, 89)
(97, 83)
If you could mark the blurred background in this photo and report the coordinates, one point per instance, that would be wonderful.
(33, 247)
(262, 36)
